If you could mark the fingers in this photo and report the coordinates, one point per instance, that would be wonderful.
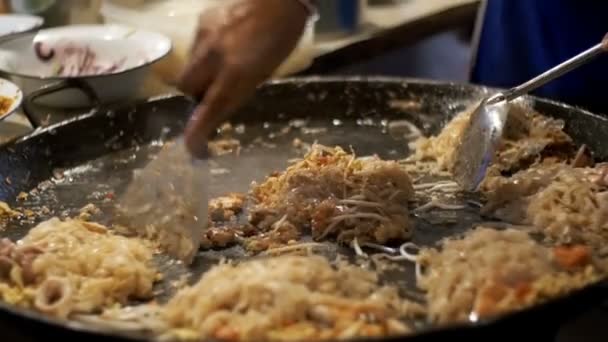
(237, 51)
(199, 73)
(209, 114)
(222, 98)
(205, 57)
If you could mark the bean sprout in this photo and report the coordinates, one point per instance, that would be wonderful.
(379, 247)
(357, 248)
(309, 246)
(475, 203)
(406, 255)
(435, 204)
(361, 203)
(388, 251)
(448, 186)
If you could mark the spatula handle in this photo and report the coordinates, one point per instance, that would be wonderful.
(557, 71)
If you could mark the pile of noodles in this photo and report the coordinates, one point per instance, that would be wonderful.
(336, 194)
(506, 196)
(72, 266)
(527, 138)
(567, 204)
(287, 298)
(490, 272)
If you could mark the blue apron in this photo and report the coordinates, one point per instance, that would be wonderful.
(520, 39)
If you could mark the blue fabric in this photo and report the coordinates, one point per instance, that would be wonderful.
(349, 14)
(522, 38)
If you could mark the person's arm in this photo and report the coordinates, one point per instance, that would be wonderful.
(237, 47)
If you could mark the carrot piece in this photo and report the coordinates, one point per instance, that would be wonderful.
(572, 257)
(522, 290)
(227, 333)
(488, 299)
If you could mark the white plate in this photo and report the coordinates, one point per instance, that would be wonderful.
(18, 23)
(112, 59)
(13, 93)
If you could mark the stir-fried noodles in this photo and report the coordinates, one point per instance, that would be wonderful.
(72, 266)
(490, 272)
(288, 298)
(568, 205)
(528, 137)
(336, 194)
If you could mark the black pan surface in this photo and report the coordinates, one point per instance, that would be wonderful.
(90, 158)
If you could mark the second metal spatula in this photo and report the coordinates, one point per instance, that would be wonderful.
(167, 201)
(482, 136)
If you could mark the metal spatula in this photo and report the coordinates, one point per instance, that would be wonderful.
(480, 140)
(167, 201)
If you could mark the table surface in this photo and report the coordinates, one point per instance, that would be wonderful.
(381, 18)
(380, 22)
(389, 28)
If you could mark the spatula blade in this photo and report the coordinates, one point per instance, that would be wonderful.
(479, 143)
(167, 201)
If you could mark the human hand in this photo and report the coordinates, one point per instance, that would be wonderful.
(237, 47)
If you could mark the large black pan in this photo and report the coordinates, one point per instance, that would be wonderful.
(100, 150)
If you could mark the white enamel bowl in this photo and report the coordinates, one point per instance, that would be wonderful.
(80, 65)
